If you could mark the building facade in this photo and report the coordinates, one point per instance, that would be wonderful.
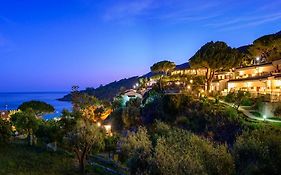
(260, 79)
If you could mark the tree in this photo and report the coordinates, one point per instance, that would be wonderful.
(215, 57)
(5, 130)
(239, 97)
(38, 107)
(83, 134)
(51, 131)
(162, 67)
(27, 123)
(180, 152)
(110, 144)
(83, 138)
(268, 48)
(131, 115)
(174, 151)
(258, 151)
(137, 147)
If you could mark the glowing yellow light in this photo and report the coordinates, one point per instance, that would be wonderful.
(188, 87)
(278, 83)
(191, 81)
(99, 124)
(107, 128)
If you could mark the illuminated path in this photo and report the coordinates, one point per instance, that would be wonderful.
(249, 114)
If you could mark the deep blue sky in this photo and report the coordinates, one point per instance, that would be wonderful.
(54, 44)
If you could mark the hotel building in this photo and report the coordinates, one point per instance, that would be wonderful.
(262, 79)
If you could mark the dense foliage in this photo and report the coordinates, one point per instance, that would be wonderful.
(37, 106)
(204, 117)
(215, 57)
(5, 130)
(26, 122)
(175, 151)
(258, 151)
(268, 47)
(162, 67)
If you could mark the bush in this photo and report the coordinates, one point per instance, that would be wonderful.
(277, 111)
(181, 152)
(230, 97)
(5, 130)
(175, 151)
(258, 152)
(247, 102)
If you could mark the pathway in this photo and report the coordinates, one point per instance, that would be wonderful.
(249, 114)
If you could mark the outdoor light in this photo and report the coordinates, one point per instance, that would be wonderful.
(107, 128)
(188, 87)
(191, 81)
(264, 117)
(258, 58)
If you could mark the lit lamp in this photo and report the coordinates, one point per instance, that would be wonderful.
(191, 81)
(264, 117)
(107, 129)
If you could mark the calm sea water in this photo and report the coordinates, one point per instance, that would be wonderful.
(13, 100)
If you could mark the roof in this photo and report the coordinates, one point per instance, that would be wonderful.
(253, 66)
(251, 78)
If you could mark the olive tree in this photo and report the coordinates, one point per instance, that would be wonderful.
(258, 151)
(84, 137)
(26, 122)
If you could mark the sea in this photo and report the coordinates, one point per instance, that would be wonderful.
(12, 100)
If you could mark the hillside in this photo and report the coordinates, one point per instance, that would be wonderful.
(109, 91)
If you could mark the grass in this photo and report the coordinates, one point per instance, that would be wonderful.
(257, 114)
(21, 159)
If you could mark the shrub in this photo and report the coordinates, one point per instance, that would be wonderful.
(247, 102)
(176, 151)
(181, 152)
(5, 130)
(258, 152)
(277, 111)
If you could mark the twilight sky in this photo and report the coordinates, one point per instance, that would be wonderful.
(50, 45)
